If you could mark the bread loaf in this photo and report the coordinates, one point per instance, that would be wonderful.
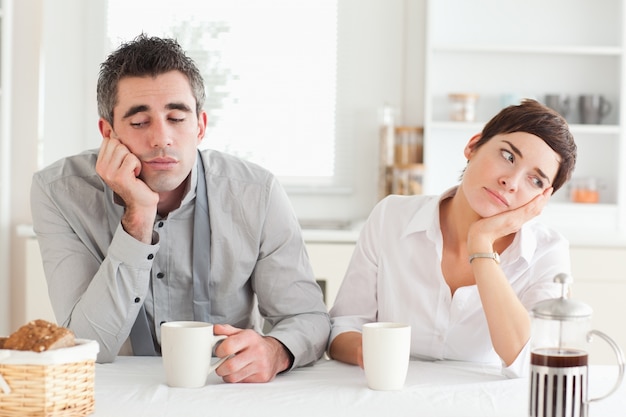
(40, 335)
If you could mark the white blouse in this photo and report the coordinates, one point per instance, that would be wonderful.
(395, 275)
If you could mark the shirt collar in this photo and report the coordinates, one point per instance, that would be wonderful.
(192, 184)
(426, 218)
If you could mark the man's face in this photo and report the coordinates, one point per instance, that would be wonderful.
(155, 118)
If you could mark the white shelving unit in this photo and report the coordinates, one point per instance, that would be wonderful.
(529, 49)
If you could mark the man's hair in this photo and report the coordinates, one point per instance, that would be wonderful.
(145, 57)
(532, 117)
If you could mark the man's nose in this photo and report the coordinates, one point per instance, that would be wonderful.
(160, 136)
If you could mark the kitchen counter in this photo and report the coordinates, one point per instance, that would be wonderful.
(349, 233)
(577, 238)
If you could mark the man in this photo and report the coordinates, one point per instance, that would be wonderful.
(148, 229)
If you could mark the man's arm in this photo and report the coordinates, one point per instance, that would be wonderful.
(272, 260)
(257, 251)
(290, 299)
(97, 274)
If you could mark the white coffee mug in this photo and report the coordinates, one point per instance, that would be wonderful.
(386, 351)
(187, 347)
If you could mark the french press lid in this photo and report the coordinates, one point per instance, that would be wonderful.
(562, 308)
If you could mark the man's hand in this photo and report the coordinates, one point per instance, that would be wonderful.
(255, 358)
(120, 168)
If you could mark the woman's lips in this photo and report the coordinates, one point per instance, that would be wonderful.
(496, 196)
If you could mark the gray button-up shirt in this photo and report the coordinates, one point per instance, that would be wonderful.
(99, 276)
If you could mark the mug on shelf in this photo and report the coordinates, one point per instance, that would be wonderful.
(559, 103)
(593, 108)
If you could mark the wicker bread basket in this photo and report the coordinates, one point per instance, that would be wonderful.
(53, 383)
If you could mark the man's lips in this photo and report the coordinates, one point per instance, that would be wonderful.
(161, 163)
(497, 197)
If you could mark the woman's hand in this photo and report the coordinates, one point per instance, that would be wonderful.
(484, 232)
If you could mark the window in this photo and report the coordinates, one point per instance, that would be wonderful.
(334, 175)
(270, 72)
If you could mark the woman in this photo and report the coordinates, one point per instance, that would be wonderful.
(464, 268)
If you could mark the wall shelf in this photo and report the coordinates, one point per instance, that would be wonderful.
(574, 128)
(529, 49)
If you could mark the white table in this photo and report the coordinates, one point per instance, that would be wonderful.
(135, 387)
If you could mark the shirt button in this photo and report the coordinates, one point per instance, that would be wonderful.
(137, 299)
(160, 275)
(160, 224)
(150, 257)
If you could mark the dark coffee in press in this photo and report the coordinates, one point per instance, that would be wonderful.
(558, 383)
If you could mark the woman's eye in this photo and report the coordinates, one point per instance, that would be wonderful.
(537, 182)
(508, 155)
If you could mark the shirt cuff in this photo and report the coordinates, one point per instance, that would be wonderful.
(129, 251)
(520, 366)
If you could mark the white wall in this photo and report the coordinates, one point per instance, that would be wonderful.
(50, 45)
(25, 113)
(72, 48)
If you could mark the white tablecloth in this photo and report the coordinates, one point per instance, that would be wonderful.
(135, 387)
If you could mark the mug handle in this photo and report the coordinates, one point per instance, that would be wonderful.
(620, 360)
(222, 360)
(605, 107)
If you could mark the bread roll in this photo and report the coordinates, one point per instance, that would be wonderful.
(40, 335)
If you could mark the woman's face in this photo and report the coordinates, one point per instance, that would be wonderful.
(507, 172)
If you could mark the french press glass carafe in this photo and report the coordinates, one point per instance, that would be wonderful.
(561, 332)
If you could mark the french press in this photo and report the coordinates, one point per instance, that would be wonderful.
(558, 362)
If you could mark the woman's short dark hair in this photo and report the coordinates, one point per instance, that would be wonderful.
(145, 56)
(532, 117)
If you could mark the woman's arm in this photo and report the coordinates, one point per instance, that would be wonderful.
(507, 317)
(347, 347)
